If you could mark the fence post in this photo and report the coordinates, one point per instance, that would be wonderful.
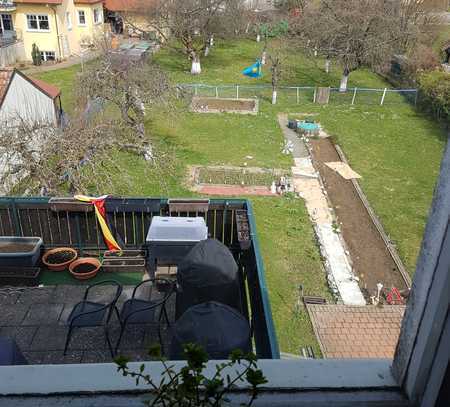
(237, 91)
(217, 92)
(315, 95)
(354, 96)
(417, 96)
(298, 95)
(384, 95)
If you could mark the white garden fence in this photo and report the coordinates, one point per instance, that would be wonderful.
(301, 94)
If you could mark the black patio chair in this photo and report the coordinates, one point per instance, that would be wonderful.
(143, 311)
(89, 313)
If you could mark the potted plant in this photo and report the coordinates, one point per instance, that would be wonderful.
(58, 259)
(85, 268)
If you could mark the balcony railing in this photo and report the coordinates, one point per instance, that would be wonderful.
(7, 5)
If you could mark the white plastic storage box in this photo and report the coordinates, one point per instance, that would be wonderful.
(169, 239)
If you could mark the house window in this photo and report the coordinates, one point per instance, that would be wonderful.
(97, 16)
(38, 22)
(6, 23)
(48, 56)
(69, 20)
(81, 17)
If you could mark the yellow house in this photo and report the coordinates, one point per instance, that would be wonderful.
(59, 28)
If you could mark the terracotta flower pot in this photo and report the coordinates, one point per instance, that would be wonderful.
(58, 259)
(85, 268)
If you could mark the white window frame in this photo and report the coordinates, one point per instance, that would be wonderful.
(97, 13)
(45, 54)
(69, 20)
(84, 16)
(38, 29)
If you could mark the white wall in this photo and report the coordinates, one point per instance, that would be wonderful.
(25, 101)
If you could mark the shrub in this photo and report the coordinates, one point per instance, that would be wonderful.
(435, 90)
(36, 55)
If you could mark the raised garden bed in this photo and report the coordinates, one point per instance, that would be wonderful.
(219, 105)
(19, 276)
(129, 261)
(236, 176)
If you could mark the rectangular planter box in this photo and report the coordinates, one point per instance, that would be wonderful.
(20, 276)
(19, 251)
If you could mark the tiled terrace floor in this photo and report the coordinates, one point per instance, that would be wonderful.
(36, 319)
(357, 332)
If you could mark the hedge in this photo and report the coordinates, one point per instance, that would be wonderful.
(434, 90)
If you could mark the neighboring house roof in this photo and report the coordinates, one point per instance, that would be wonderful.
(87, 1)
(57, 2)
(127, 5)
(50, 90)
(7, 75)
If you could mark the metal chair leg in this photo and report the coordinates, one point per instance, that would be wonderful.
(109, 341)
(122, 329)
(69, 335)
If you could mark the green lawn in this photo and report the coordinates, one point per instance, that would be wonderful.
(395, 149)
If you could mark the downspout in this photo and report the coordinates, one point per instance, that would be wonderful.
(57, 34)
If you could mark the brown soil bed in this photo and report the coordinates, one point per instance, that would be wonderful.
(372, 261)
(204, 104)
(84, 268)
(16, 248)
(60, 257)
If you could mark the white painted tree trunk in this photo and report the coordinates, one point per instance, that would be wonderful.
(274, 97)
(327, 65)
(258, 38)
(263, 58)
(344, 82)
(206, 50)
(211, 41)
(196, 68)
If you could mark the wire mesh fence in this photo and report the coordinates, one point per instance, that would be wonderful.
(301, 94)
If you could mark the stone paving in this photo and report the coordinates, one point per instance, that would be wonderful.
(357, 332)
(36, 319)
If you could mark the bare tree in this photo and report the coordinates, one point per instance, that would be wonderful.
(189, 26)
(363, 33)
(81, 156)
(277, 51)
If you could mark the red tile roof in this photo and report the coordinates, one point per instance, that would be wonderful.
(127, 5)
(356, 332)
(51, 90)
(87, 1)
(5, 77)
(57, 2)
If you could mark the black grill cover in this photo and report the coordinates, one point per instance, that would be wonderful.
(218, 328)
(208, 273)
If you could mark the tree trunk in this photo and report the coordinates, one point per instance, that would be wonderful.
(327, 65)
(258, 38)
(206, 50)
(344, 81)
(263, 58)
(211, 41)
(196, 68)
(274, 97)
